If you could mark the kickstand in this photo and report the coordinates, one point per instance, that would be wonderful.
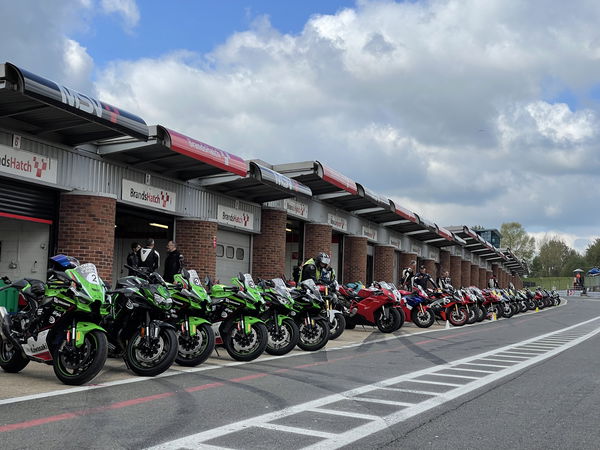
(217, 351)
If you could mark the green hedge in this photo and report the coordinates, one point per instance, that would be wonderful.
(551, 282)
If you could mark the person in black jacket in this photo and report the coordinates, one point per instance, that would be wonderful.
(149, 258)
(133, 259)
(174, 261)
(423, 279)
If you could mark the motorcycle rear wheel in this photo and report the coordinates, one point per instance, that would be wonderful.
(11, 357)
(337, 325)
(90, 357)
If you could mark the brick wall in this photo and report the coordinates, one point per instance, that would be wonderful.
(455, 271)
(475, 275)
(355, 259)
(86, 230)
(483, 278)
(383, 263)
(489, 274)
(317, 239)
(444, 262)
(195, 241)
(430, 266)
(268, 248)
(465, 273)
(497, 271)
(405, 260)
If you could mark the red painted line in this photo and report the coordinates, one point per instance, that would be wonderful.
(204, 387)
(36, 422)
(249, 377)
(29, 219)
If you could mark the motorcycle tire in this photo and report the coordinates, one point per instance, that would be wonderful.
(194, 350)
(337, 325)
(89, 359)
(389, 324)
(472, 315)
(515, 308)
(282, 341)
(151, 362)
(350, 324)
(243, 347)
(482, 314)
(523, 307)
(457, 316)
(557, 301)
(422, 319)
(531, 305)
(11, 357)
(313, 337)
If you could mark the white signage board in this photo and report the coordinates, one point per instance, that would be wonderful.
(147, 195)
(337, 222)
(396, 243)
(296, 208)
(235, 217)
(369, 233)
(28, 165)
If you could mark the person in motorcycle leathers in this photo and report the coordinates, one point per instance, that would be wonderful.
(423, 279)
(314, 268)
(445, 282)
(408, 275)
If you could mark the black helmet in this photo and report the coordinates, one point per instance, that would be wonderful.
(323, 258)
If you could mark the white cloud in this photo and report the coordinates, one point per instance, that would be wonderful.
(128, 9)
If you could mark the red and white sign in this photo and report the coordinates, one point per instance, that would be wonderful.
(296, 208)
(147, 195)
(337, 222)
(28, 165)
(369, 233)
(235, 217)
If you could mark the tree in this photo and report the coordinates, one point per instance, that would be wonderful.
(516, 238)
(592, 254)
(553, 257)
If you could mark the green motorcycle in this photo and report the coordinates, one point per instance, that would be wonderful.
(234, 315)
(279, 307)
(192, 304)
(309, 307)
(138, 325)
(59, 323)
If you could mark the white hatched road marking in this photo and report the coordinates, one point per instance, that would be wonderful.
(475, 370)
(485, 365)
(338, 440)
(288, 429)
(455, 376)
(354, 415)
(410, 391)
(382, 402)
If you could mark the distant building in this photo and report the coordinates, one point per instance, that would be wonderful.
(491, 235)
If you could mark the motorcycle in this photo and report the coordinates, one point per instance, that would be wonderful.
(283, 331)
(234, 314)
(136, 326)
(416, 304)
(337, 321)
(375, 306)
(309, 307)
(192, 304)
(448, 305)
(59, 323)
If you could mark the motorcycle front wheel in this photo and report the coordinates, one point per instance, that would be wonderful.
(422, 319)
(337, 325)
(388, 324)
(11, 357)
(149, 357)
(282, 339)
(314, 335)
(77, 365)
(246, 347)
(194, 350)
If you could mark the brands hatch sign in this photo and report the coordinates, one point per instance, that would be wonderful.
(148, 196)
(28, 165)
(337, 222)
(235, 217)
(296, 208)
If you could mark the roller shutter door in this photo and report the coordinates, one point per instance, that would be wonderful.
(233, 254)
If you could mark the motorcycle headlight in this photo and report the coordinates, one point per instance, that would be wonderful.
(162, 301)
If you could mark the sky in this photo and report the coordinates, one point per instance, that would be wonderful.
(468, 112)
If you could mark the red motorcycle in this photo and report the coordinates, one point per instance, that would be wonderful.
(449, 306)
(375, 306)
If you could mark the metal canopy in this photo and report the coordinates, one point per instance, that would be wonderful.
(319, 178)
(514, 263)
(35, 105)
(260, 185)
(175, 155)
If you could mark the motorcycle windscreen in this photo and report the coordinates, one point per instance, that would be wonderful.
(93, 285)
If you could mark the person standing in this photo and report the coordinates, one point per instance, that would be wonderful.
(133, 259)
(173, 262)
(149, 258)
(423, 279)
(445, 281)
(407, 276)
(493, 282)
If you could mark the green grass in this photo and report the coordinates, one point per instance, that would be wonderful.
(552, 282)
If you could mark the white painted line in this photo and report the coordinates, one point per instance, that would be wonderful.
(512, 355)
(508, 361)
(524, 352)
(474, 370)
(335, 412)
(486, 365)
(541, 346)
(286, 429)
(382, 402)
(360, 432)
(440, 383)
(454, 376)
(410, 391)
